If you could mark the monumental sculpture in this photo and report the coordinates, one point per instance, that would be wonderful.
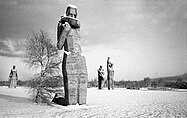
(110, 74)
(74, 67)
(13, 77)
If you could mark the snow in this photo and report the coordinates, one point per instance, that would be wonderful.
(100, 103)
(72, 6)
(17, 92)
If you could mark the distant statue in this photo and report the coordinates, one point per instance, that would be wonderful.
(74, 67)
(101, 77)
(110, 74)
(13, 77)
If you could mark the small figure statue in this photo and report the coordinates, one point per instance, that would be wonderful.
(13, 77)
(101, 77)
(110, 74)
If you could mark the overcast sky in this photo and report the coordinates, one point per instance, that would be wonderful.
(144, 38)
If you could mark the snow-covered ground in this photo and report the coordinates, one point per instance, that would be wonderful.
(118, 103)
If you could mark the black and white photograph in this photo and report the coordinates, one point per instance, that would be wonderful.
(93, 59)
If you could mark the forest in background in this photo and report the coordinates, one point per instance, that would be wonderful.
(178, 82)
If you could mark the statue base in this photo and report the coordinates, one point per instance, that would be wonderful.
(75, 79)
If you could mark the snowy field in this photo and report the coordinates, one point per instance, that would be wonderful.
(118, 103)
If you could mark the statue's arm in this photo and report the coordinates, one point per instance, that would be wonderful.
(74, 23)
(62, 32)
(103, 72)
(17, 74)
(99, 71)
(59, 30)
(77, 24)
(108, 64)
(10, 75)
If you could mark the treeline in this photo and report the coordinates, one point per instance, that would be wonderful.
(19, 83)
(147, 82)
(4, 83)
(51, 82)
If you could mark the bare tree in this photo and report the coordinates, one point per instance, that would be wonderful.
(41, 53)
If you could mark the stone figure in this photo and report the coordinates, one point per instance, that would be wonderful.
(74, 68)
(110, 74)
(101, 77)
(67, 22)
(13, 77)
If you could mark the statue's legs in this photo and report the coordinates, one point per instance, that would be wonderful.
(112, 84)
(99, 82)
(75, 79)
(83, 79)
(108, 83)
(11, 83)
(14, 82)
(103, 83)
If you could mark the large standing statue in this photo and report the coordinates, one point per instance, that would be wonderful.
(110, 74)
(101, 77)
(13, 77)
(74, 68)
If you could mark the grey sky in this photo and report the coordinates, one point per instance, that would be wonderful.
(142, 37)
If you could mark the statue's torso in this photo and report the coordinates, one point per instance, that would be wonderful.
(69, 37)
(14, 74)
(73, 41)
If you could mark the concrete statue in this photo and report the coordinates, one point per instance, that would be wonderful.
(110, 74)
(101, 77)
(13, 77)
(74, 67)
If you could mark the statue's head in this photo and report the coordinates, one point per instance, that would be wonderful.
(111, 64)
(14, 67)
(71, 11)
